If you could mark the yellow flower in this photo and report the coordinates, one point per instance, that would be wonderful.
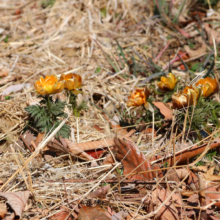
(49, 85)
(71, 81)
(138, 97)
(188, 96)
(209, 86)
(167, 83)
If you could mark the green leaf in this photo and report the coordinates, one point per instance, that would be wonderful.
(195, 66)
(6, 39)
(64, 132)
(36, 112)
(46, 3)
(103, 12)
(98, 69)
(57, 108)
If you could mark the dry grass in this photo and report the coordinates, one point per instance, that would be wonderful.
(73, 37)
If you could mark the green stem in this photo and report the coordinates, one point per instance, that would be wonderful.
(72, 100)
(48, 102)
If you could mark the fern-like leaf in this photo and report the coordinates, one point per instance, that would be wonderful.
(57, 108)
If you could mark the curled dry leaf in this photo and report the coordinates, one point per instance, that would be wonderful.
(132, 158)
(75, 150)
(164, 110)
(101, 192)
(183, 156)
(16, 200)
(93, 145)
(88, 213)
(195, 53)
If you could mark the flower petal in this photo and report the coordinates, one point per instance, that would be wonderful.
(49, 85)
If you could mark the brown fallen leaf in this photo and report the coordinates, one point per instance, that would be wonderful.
(3, 210)
(3, 73)
(173, 176)
(28, 137)
(101, 192)
(109, 142)
(75, 150)
(93, 213)
(164, 110)
(181, 157)
(81, 148)
(131, 158)
(194, 198)
(199, 168)
(214, 193)
(62, 215)
(16, 200)
(168, 211)
(131, 215)
(210, 177)
(212, 33)
(108, 160)
(193, 181)
(39, 138)
(179, 174)
(119, 216)
(195, 53)
(64, 212)
(10, 216)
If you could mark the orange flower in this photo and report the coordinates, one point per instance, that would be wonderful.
(209, 86)
(138, 97)
(189, 96)
(49, 85)
(167, 83)
(72, 81)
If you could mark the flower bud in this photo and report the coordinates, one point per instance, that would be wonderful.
(209, 86)
(167, 83)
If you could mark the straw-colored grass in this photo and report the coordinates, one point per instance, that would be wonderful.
(76, 37)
